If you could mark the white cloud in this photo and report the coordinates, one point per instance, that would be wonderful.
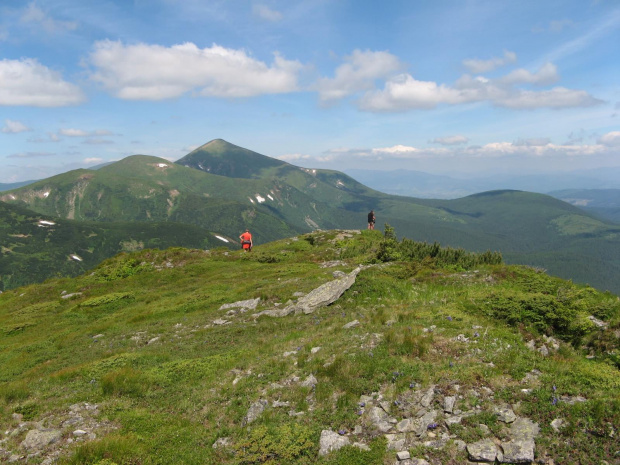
(547, 74)
(451, 140)
(14, 127)
(484, 66)
(611, 139)
(93, 161)
(35, 15)
(72, 132)
(27, 82)
(293, 157)
(266, 13)
(154, 72)
(406, 93)
(536, 148)
(358, 73)
(559, 25)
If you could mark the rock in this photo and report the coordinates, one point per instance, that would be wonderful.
(332, 263)
(543, 350)
(403, 455)
(453, 420)
(531, 344)
(79, 432)
(518, 451)
(221, 321)
(427, 398)
(598, 323)
(255, 411)
(330, 441)
(395, 441)
(338, 274)
(460, 445)
(558, 424)
(483, 451)
(524, 429)
(309, 382)
(352, 324)
(380, 419)
(221, 442)
(314, 350)
(151, 341)
(448, 404)
(39, 439)
(277, 404)
(361, 446)
(505, 414)
(68, 296)
(250, 304)
(571, 400)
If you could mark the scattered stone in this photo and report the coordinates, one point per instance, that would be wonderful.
(250, 304)
(571, 400)
(151, 341)
(380, 419)
(483, 451)
(331, 441)
(361, 446)
(598, 323)
(221, 443)
(448, 404)
(79, 432)
(352, 324)
(314, 350)
(277, 404)
(395, 441)
(505, 414)
(518, 451)
(558, 424)
(332, 263)
(427, 398)
(299, 294)
(39, 439)
(543, 351)
(255, 411)
(338, 274)
(531, 344)
(221, 321)
(403, 455)
(309, 382)
(98, 336)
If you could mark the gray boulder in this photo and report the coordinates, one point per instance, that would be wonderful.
(330, 441)
(37, 440)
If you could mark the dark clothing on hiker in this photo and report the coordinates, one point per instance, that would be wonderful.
(371, 220)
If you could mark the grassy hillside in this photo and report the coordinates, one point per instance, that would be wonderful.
(36, 247)
(139, 362)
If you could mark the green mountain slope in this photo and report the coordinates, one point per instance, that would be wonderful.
(227, 188)
(605, 203)
(435, 352)
(36, 247)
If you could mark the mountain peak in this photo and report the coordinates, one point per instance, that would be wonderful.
(225, 159)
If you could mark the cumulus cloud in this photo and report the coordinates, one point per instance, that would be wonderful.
(406, 93)
(611, 139)
(547, 74)
(451, 140)
(358, 73)
(33, 14)
(266, 13)
(14, 127)
(155, 72)
(93, 161)
(27, 82)
(477, 66)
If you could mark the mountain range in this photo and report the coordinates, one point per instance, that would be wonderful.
(223, 188)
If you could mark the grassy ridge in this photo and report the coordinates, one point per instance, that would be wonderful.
(169, 381)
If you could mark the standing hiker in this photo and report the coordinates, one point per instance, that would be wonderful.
(371, 219)
(246, 240)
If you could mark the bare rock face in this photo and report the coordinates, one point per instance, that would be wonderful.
(255, 411)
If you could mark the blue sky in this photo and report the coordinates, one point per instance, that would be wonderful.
(454, 87)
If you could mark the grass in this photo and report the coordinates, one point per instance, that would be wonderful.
(139, 340)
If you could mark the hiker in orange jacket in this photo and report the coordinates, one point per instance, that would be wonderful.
(246, 240)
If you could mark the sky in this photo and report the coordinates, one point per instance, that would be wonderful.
(459, 87)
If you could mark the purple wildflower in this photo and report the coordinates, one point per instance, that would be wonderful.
(476, 334)
(554, 401)
(432, 426)
(362, 404)
(342, 432)
(359, 412)
(553, 388)
(411, 385)
(449, 318)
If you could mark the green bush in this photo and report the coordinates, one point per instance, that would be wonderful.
(278, 444)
